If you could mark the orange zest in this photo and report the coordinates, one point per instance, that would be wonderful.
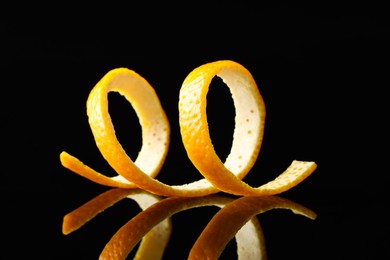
(218, 176)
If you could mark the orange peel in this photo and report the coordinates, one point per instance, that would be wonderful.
(155, 139)
(247, 136)
(219, 176)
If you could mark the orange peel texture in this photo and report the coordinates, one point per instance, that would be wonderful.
(219, 176)
(247, 137)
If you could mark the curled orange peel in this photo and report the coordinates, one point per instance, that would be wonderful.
(155, 139)
(219, 176)
(247, 136)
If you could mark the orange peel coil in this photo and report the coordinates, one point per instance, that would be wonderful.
(247, 136)
(219, 176)
(155, 139)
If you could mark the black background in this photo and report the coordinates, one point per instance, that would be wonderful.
(322, 71)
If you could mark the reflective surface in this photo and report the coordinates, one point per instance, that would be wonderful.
(345, 227)
(320, 72)
(153, 225)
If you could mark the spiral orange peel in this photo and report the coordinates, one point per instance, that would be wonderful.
(218, 176)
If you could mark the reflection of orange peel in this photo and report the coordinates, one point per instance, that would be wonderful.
(127, 237)
(237, 218)
(227, 221)
(226, 177)
(152, 226)
(152, 244)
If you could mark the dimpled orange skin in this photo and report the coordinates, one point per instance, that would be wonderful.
(194, 125)
(249, 128)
